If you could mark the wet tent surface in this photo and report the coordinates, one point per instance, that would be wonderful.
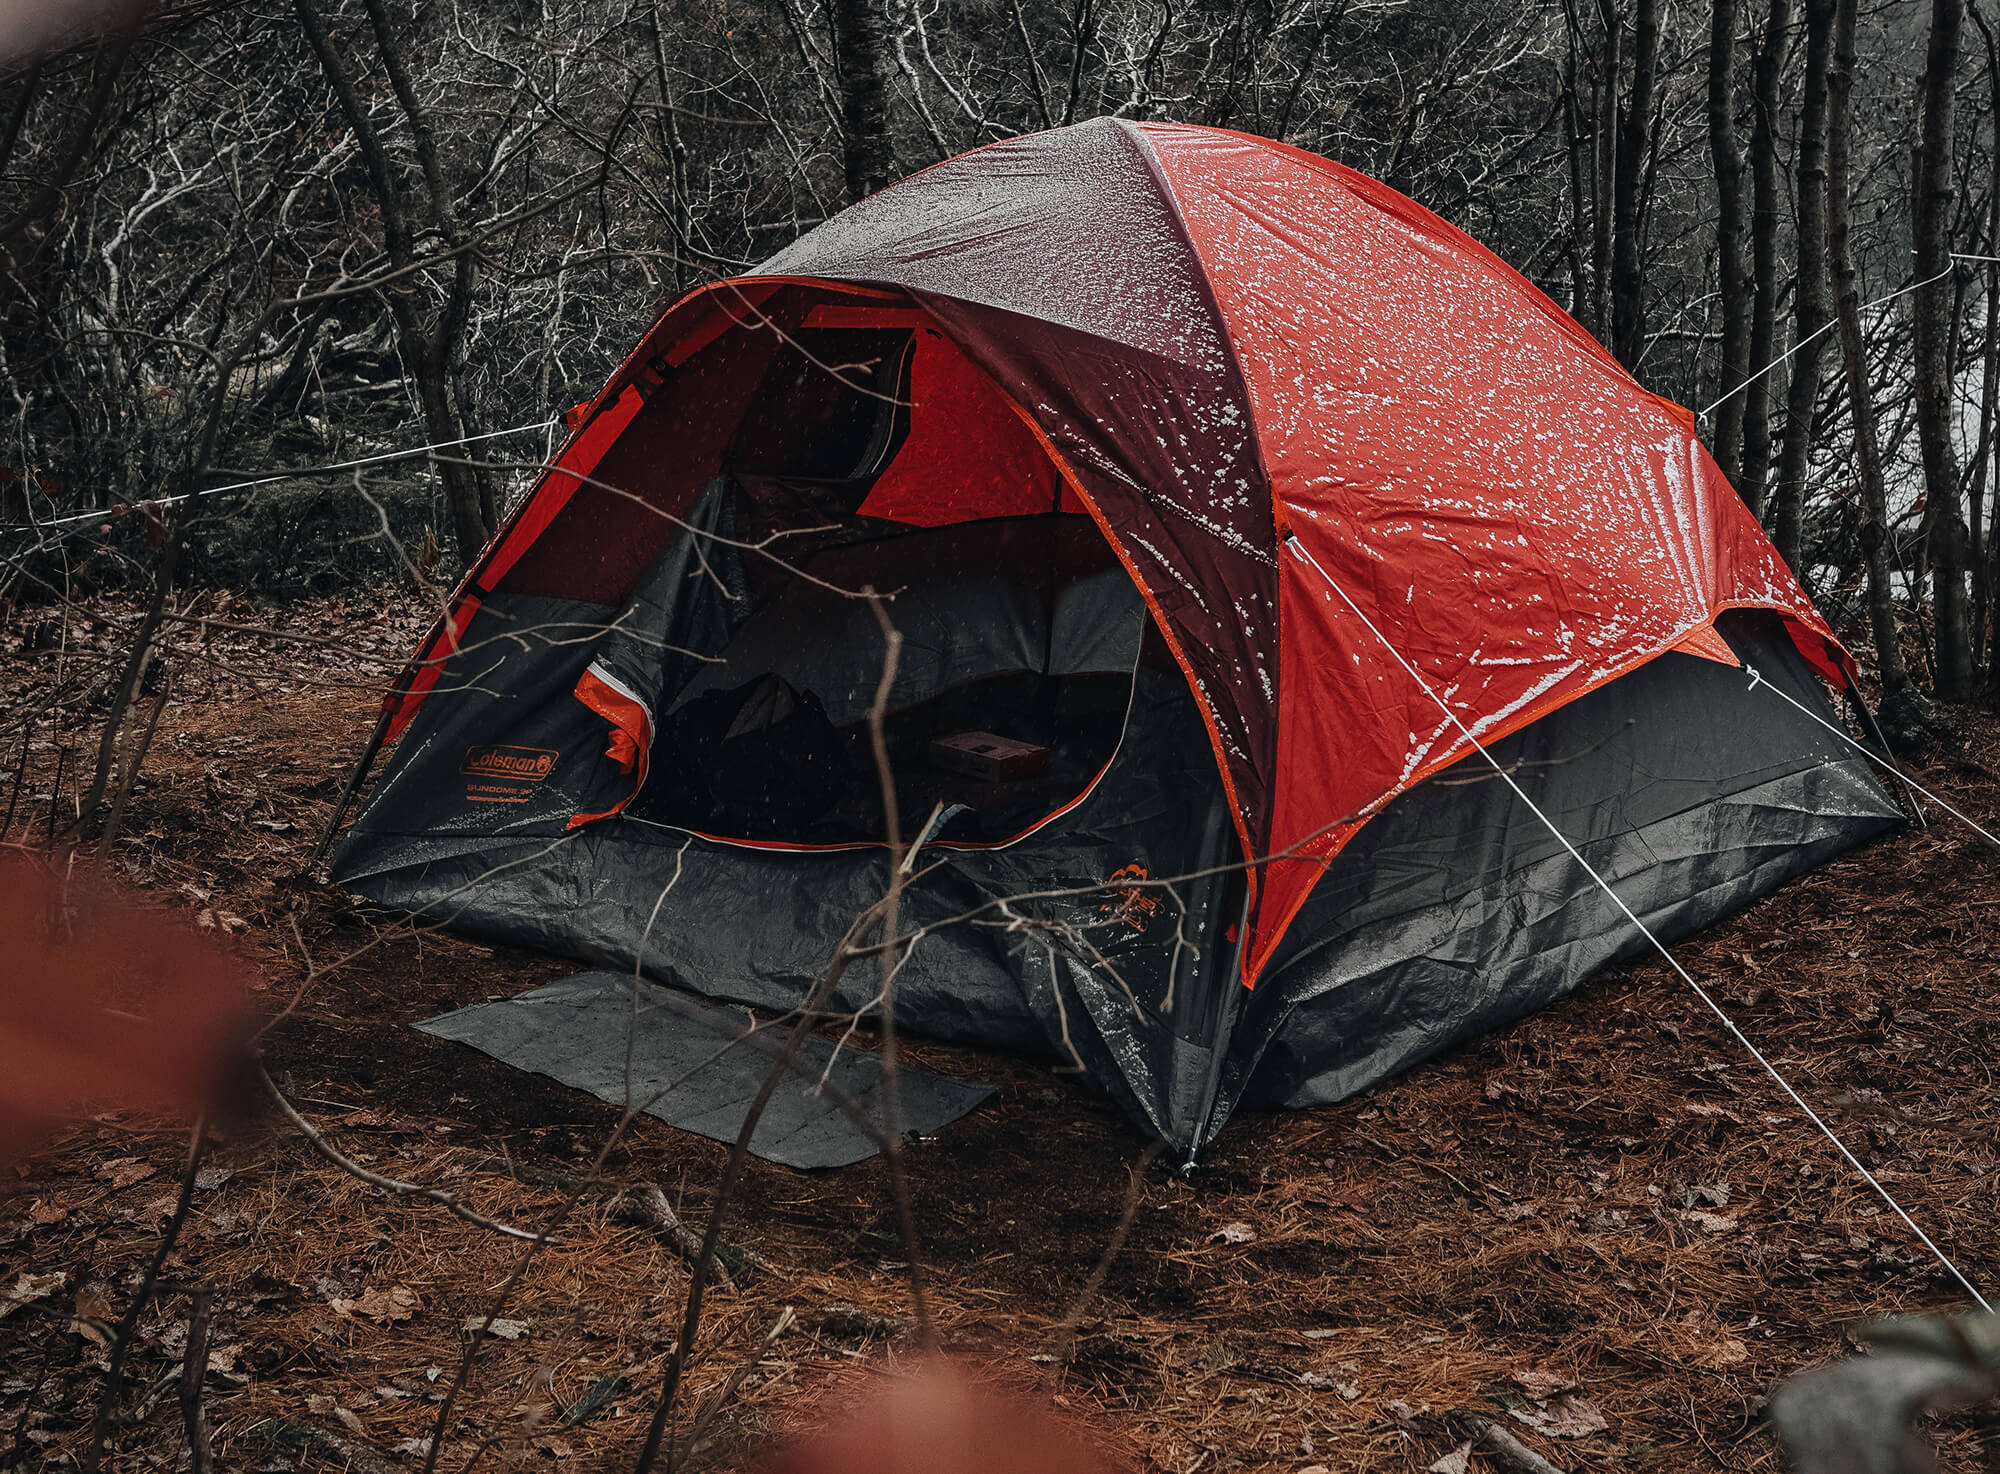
(1472, 508)
(699, 1066)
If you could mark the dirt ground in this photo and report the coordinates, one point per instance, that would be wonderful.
(1603, 1220)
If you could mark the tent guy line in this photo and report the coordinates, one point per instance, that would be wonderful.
(1757, 680)
(298, 475)
(1700, 992)
(1883, 300)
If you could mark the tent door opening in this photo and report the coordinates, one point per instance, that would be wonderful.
(866, 452)
(1009, 699)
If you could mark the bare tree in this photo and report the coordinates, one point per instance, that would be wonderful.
(1901, 706)
(862, 41)
(1766, 212)
(1989, 377)
(1946, 535)
(1733, 280)
(432, 332)
(1812, 303)
(1606, 156)
(1635, 134)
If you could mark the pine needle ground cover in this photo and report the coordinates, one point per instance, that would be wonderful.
(1601, 1227)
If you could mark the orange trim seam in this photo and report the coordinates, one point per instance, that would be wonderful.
(631, 733)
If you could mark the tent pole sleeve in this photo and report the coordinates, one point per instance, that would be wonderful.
(355, 779)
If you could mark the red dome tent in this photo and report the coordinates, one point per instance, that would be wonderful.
(1293, 405)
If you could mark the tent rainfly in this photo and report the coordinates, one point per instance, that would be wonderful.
(1191, 460)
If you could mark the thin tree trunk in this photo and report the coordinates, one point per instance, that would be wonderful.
(1580, 165)
(1603, 140)
(1946, 533)
(1767, 70)
(1901, 707)
(1733, 280)
(1989, 381)
(1813, 310)
(428, 344)
(1989, 392)
(861, 39)
(1038, 85)
(134, 673)
(462, 492)
(1628, 284)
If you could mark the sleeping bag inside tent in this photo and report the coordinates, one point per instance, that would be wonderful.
(1190, 472)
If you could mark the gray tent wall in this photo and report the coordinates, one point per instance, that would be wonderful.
(1453, 912)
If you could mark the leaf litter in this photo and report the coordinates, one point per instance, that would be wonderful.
(1498, 1235)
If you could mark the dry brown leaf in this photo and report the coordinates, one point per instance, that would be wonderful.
(1234, 1233)
(1567, 1416)
(385, 1307)
(44, 1214)
(1727, 1352)
(92, 1319)
(1542, 1385)
(1711, 1222)
(122, 1172)
(1455, 1462)
(157, 1210)
(29, 1288)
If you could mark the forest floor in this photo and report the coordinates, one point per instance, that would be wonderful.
(1602, 1221)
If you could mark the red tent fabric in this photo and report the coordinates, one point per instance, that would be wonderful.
(1507, 505)
(1278, 386)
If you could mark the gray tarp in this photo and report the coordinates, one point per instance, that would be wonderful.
(698, 1066)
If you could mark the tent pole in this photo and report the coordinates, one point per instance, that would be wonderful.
(1894, 764)
(355, 779)
(1225, 1026)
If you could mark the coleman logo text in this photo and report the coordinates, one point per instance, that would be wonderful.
(518, 764)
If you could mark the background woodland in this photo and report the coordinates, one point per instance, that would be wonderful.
(237, 237)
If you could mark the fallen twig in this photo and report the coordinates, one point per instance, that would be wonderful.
(644, 1206)
(348, 1165)
(1506, 1451)
(194, 1367)
(345, 1450)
